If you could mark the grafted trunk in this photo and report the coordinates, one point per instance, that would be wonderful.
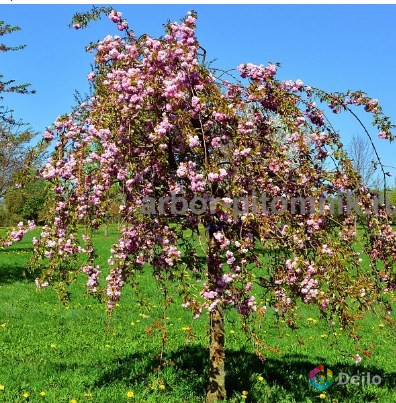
(216, 390)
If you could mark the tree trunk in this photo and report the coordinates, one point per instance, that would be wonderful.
(216, 389)
(106, 229)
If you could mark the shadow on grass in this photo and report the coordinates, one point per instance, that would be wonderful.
(16, 248)
(189, 365)
(14, 273)
(12, 270)
(132, 368)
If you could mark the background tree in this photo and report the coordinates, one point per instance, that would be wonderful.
(27, 203)
(15, 136)
(17, 157)
(161, 124)
(15, 140)
(116, 200)
(10, 85)
(364, 160)
(392, 201)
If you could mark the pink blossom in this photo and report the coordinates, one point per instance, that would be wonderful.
(324, 304)
(213, 177)
(245, 152)
(93, 277)
(182, 170)
(222, 173)
(216, 142)
(256, 72)
(228, 278)
(48, 135)
(91, 76)
(193, 141)
(115, 16)
(326, 250)
(122, 26)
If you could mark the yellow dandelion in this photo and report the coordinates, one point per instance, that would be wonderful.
(130, 394)
(73, 401)
(162, 386)
(2, 388)
(87, 395)
(260, 378)
(322, 396)
(232, 331)
(53, 345)
(26, 395)
(244, 397)
(381, 325)
(42, 394)
(323, 336)
(117, 304)
(245, 392)
(3, 325)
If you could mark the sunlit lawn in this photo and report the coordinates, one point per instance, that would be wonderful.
(75, 352)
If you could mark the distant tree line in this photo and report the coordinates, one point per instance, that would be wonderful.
(17, 156)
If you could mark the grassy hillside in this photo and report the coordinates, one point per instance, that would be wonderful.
(76, 352)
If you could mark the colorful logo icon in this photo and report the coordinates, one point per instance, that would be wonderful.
(319, 379)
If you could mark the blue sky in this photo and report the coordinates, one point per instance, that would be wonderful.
(332, 47)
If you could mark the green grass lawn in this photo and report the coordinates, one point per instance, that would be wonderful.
(75, 352)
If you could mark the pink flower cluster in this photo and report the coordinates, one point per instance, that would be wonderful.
(17, 234)
(258, 73)
(116, 17)
(217, 176)
(172, 254)
(188, 170)
(114, 286)
(93, 277)
(293, 86)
